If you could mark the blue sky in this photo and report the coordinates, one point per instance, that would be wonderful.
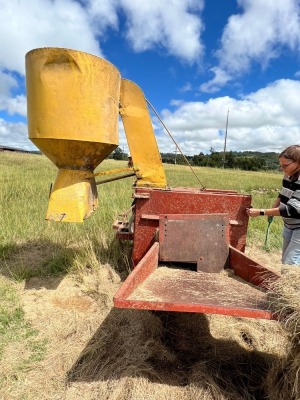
(194, 60)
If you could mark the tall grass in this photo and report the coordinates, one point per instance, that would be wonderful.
(25, 180)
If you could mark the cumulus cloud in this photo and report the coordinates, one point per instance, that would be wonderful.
(103, 15)
(26, 25)
(177, 30)
(7, 82)
(221, 78)
(15, 135)
(261, 32)
(265, 120)
(12, 105)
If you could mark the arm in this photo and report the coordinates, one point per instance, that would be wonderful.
(256, 212)
(270, 212)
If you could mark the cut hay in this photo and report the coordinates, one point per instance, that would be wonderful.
(97, 351)
(283, 381)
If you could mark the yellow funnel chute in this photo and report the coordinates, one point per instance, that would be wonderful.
(140, 136)
(73, 112)
(73, 105)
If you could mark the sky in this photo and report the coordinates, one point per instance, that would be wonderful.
(197, 62)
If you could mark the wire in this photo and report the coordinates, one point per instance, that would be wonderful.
(186, 160)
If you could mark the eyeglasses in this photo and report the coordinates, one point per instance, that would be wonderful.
(284, 166)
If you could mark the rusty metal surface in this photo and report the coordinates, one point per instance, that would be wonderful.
(195, 238)
(249, 270)
(187, 201)
(173, 289)
(154, 286)
(145, 268)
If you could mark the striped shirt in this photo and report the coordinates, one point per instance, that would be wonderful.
(289, 207)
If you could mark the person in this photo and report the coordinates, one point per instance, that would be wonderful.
(287, 205)
(130, 162)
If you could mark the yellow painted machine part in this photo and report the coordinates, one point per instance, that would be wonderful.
(73, 108)
(72, 95)
(73, 197)
(140, 136)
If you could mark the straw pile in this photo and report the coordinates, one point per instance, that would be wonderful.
(283, 381)
(95, 351)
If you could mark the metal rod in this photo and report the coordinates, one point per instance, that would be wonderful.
(116, 178)
(112, 171)
(270, 219)
(169, 133)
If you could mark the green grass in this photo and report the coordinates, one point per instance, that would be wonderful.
(16, 332)
(25, 180)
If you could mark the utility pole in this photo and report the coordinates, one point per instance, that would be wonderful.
(225, 140)
(175, 154)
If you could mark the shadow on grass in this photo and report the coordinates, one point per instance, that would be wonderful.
(44, 259)
(175, 349)
(36, 258)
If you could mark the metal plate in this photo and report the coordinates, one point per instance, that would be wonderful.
(201, 238)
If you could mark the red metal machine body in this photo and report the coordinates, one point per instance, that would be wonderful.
(188, 255)
(150, 203)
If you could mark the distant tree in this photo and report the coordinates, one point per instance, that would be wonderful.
(245, 160)
(119, 154)
(229, 160)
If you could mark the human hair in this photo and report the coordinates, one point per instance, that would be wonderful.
(291, 153)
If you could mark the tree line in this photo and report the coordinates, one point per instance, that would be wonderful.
(244, 160)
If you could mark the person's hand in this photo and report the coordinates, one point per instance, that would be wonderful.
(253, 212)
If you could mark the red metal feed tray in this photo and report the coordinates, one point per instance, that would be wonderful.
(221, 280)
(156, 287)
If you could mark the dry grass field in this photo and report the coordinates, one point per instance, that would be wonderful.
(61, 337)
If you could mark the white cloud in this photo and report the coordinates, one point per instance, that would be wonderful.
(14, 105)
(15, 135)
(103, 15)
(261, 32)
(174, 28)
(266, 120)
(7, 82)
(220, 79)
(187, 87)
(25, 25)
